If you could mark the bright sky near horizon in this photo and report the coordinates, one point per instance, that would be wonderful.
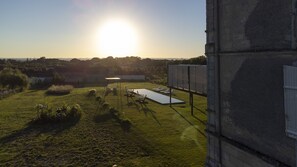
(101, 28)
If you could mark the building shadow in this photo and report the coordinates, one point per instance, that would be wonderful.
(143, 107)
(201, 121)
(203, 112)
(146, 111)
(202, 133)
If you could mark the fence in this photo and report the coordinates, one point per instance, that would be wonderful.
(191, 78)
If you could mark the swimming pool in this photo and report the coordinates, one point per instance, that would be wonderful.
(157, 97)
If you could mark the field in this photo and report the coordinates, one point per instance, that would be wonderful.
(160, 135)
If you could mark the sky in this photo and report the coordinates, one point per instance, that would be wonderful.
(71, 28)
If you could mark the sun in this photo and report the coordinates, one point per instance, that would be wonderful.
(117, 38)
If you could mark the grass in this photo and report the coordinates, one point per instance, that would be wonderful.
(159, 136)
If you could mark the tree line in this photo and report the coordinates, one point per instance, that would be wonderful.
(153, 69)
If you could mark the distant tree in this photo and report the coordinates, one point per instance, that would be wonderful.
(75, 60)
(94, 59)
(58, 79)
(13, 78)
(42, 58)
(202, 60)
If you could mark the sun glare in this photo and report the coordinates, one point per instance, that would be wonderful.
(117, 38)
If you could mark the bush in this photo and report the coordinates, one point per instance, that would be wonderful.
(92, 92)
(126, 124)
(64, 113)
(5, 93)
(114, 91)
(113, 111)
(107, 112)
(107, 91)
(58, 79)
(75, 111)
(102, 105)
(59, 89)
(105, 107)
(99, 99)
(13, 78)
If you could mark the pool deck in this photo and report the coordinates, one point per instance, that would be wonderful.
(157, 97)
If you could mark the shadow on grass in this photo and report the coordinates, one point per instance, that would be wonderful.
(198, 119)
(104, 117)
(143, 107)
(36, 129)
(152, 112)
(56, 94)
(100, 118)
(189, 121)
(33, 90)
(200, 110)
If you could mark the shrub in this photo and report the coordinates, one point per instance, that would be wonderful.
(113, 111)
(100, 104)
(64, 113)
(126, 124)
(58, 79)
(107, 91)
(75, 111)
(92, 92)
(105, 106)
(5, 93)
(99, 99)
(59, 89)
(108, 112)
(13, 78)
(114, 91)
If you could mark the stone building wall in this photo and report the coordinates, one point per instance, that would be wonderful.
(248, 42)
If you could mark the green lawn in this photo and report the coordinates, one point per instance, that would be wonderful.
(160, 135)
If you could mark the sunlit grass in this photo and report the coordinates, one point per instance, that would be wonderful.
(159, 136)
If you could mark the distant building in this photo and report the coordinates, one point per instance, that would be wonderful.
(72, 77)
(37, 80)
(132, 77)
(248, 42)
